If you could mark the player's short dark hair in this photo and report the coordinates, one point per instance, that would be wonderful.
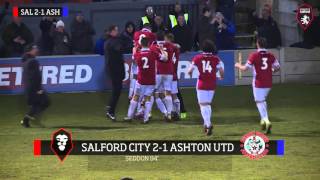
(209, 46)
(262, 42)
(144, 42)
(205, 9)
(169, 36)
(160, 35)
(147, 25)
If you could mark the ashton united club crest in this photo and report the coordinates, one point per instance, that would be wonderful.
(304, 15)
(254, 145)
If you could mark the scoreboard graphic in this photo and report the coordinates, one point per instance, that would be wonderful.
(39, 11)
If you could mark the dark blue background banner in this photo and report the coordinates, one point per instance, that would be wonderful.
(87, 73)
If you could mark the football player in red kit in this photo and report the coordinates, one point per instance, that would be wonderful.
(145, 32)
(263, 64)
(165, 70)
(174, 86)
(146, 62)
(207, 64)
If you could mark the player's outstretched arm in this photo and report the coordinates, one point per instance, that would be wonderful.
(221, 71)
(241, 67)
(190, 70)
(276, 66)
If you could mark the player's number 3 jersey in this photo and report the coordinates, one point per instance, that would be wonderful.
(262, 63)
(207, 65)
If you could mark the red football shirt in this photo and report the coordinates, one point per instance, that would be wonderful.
(262, 63)
(143, 33)
(146, 62)
(165, 67)
(207, 65)
(175, 60)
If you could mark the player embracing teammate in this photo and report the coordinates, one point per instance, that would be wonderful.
(207, 64)
(145, 59)
(166, 101)
(165, 91)
(263, 64)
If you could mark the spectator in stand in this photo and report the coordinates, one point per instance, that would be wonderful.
(61, 40)
(127, 37)
(225, 31)
(3, 23)
(46, 41)
(183, 34)
(81, 35)
(159, 25)
(226, 7)
(16, 36)
(148, 18)
(173, 15)
(206, 30)
(99, 47)
(4, 11)
(267, 27)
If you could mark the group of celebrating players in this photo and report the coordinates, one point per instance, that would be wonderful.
(154, 77)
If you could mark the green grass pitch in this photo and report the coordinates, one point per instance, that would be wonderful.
(294, 111)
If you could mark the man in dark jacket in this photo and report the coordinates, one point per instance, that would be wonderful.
(37, 98)
(81, 35)
(159, 25)
(127, 37)
(3, 14)
(16, 36)
(225, 31)
(46, 41)
(114, 68)
(206, 29)
(267, 27)
(183, 34)
(61, 40)
(227, 8)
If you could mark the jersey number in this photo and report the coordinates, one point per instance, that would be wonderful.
(206, 66)
(145, 63)
(174, 58)
(140, 37)
(264, 63)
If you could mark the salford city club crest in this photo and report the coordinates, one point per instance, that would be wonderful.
(61, 143)
(254, 145)
(304, 15)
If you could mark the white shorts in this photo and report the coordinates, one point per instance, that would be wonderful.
(174, 87)
(134, 68)
(143, 90)
(165, 81)
(205, 96)
(260, 94)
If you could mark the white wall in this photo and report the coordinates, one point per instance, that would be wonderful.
(297, 66)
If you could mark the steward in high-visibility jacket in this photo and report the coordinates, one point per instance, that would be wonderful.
(173, 19)
(148, 18)
(173, 16)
